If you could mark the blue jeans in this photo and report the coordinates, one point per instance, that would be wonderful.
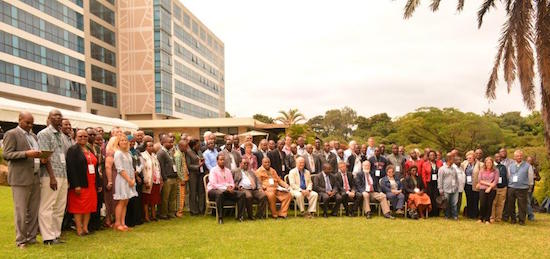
(451, 211)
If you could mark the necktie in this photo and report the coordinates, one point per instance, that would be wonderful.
(327, 184)
(346, 184)
(369, 183)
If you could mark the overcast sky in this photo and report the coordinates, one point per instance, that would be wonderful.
(319, 55)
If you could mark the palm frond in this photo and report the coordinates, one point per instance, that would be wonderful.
(485, 7)
(410, 7)
(521, 14)
(542, 42)
(460, 5)
(435, 5)
(509, 61)
(508, 5)
(507, 30)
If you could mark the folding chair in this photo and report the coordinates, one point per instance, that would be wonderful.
(212, 204)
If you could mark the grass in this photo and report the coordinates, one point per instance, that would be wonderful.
(201, 237)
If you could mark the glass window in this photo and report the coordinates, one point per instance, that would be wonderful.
(102, 12)
(186, 20)
(195, 28)
(176, 11)
(102, 54)
(193, 110)
(58, 11)
(103, 97)
(103, 76)
(102, 33)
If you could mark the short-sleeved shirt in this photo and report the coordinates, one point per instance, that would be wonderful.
(52, 139)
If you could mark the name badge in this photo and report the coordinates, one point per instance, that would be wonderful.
(377, 173)
(283, 167)
(434, 177)
(62, 158)
(500, 180)
(201, 169)
(398, 168)
(91, 169)
(453, 182)
(271, 182)
(36, 164)
(515, 179)
(175, 168)
(469, 179)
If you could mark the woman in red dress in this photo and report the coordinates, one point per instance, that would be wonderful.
(83, 177)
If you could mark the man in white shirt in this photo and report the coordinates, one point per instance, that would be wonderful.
(351, 150)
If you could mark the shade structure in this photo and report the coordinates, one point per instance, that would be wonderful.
(218, 134)
(10, 109)
(253, 133)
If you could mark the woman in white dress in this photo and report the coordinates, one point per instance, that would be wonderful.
(125, 183)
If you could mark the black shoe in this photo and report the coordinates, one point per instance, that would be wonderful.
(241, 219)
(522, 223)
(388, 216)
(52, 242)
(513, 221)
(368, 215)
(334, 214)
(325, 215)
(60, 241)
(220, 221)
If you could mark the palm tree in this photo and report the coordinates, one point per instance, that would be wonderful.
(291, 117)
(528, 24)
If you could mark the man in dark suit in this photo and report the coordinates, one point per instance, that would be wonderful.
(328, 157)
(313, 162)
(378, 166)
(354, 161)
(277, 158)
(22, 152)
(348, 190)
(247, 182)
(262, 151)
(232, 157)
(326, 186)
(290, 162)
(170, 179)
(196, 167)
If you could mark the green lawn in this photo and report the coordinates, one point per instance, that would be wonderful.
(200, 237)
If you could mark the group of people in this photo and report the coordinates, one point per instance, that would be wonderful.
(61, 176)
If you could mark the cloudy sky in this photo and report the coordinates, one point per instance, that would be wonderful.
(318, 55)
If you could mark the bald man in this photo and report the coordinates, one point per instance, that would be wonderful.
(22, 152)
(53, 179)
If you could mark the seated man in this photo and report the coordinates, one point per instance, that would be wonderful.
(274, 188)
(221, 188)
(247, 182)
(366, 186)
(327, 188)
(347, 189)
(301, 187)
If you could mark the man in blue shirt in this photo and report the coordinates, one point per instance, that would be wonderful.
(210, 155)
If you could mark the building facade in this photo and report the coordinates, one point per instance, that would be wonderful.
(134, 59)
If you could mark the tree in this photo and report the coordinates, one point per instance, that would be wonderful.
(528, 24)
(227, 115)
(263, 118)
(297, 130)
(290, 117)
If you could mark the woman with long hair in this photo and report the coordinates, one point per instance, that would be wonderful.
(125, 182)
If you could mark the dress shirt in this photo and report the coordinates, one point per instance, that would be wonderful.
(246, 183)
(370, 152)
(210, 158)
(220, 179)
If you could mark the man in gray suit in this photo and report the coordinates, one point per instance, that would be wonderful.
(232, 157)
(22, 152)
(313, 162)
(247, 182)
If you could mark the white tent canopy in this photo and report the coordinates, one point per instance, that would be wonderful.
(253, 133)
(9, 111)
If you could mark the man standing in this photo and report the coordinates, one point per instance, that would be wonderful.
(347, 189)
(271, 145)
(290, 162)
(500, 198)
(371, 147)
(313, 163)
(22, 152)
(250, 139)
(327, 188)
(301, 145)
(354, 162)
(317, 148)
(247, 182)
(447, 183)
(232, 157)
(262, 150)
(414, 160)
(520, 180)
(378, 166)
(301, 187)
(327, 157)
(138, 136)
(365, 185)
(398, 161)
(277, 159)
(95, 218)
(195, 164)
(351, 150)
(53, 179)
(168, 172)
(274, 188)
(180, 160)
(210, 155)
(221, 187)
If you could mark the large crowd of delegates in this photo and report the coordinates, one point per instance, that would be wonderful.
(65, 177)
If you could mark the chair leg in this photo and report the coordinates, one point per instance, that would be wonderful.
(295, 214)
(217, 215)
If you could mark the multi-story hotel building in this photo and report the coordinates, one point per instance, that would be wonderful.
(134, 59)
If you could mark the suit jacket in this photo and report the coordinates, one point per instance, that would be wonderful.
(294, 180)
(360, 183)
(316, 160)
(290, 163)
(319, 185)
(236, 155)
(237, 177)
(20, 167)
(276, 162)
(193, 162)
(259, 156)
(385, 185)
(331, 160)
(408, 184)
(340, 182)
(166, 165)
(351, 161)
(475, 174)
(77, 168)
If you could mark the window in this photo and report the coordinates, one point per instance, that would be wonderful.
(103, 76)
(195, 28)
(176, 11)
(195, 77)
(59, 11)
(29, 78)
(102, 12)
(102, 54)
(193, 110)
(195, 94)
(103, 97)
(31, 51)
(102, 33)
(186, 20)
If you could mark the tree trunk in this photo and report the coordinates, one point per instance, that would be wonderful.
(545, 114)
